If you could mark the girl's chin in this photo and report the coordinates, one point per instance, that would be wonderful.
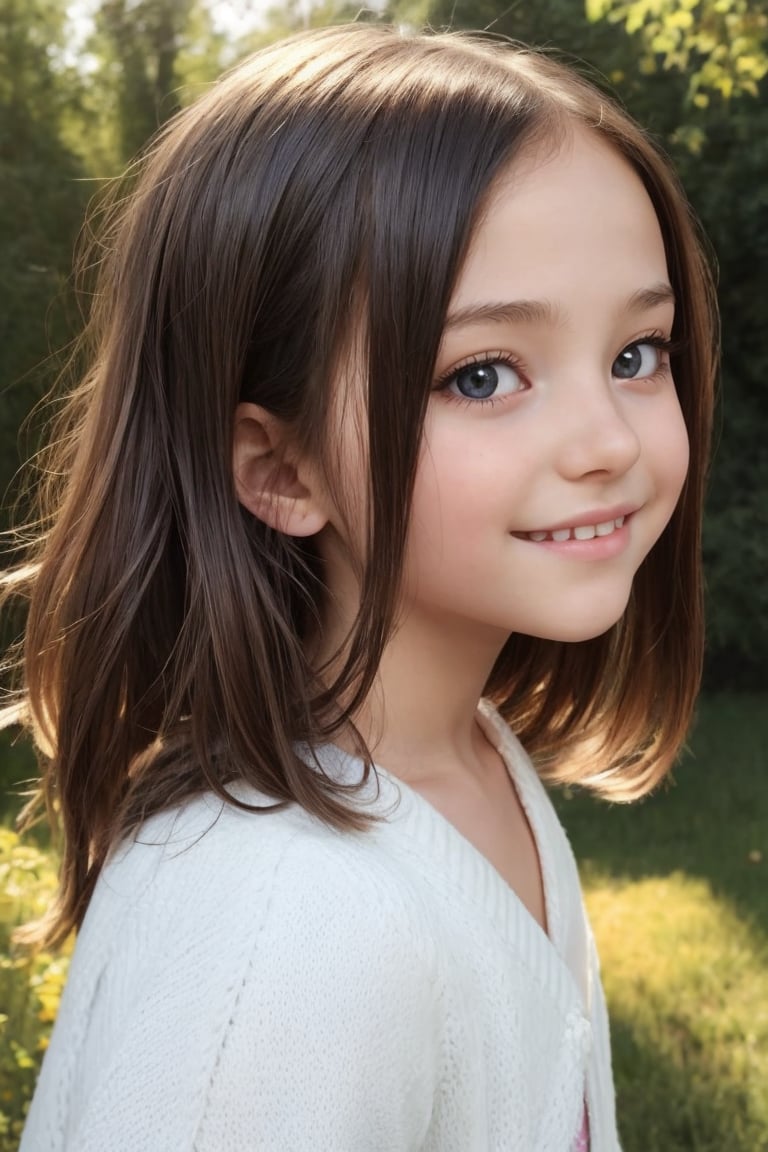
(578, 630)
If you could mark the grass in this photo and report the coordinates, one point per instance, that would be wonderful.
(677, 889)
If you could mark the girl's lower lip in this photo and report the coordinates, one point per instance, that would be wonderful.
(598, 548)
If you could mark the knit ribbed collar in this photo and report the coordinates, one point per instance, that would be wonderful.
(558, 956)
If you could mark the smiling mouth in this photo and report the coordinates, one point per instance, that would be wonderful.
(582, 532)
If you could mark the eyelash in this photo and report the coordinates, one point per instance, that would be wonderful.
(656, 339)
(441, 384)
(664, 344)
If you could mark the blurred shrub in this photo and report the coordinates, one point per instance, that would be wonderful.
(30, 987)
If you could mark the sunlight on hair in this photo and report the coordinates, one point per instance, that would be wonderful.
(16, 576)
(17, 713)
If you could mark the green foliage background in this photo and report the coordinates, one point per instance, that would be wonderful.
(692, 71)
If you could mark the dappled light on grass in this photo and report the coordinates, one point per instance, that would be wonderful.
(687, 983)
(677, 888)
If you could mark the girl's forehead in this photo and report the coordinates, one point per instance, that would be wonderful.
(572, 176)
(560, 222)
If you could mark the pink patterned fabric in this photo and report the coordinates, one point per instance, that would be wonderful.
(582, 1140)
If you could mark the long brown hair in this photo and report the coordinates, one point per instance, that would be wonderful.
(329, 182)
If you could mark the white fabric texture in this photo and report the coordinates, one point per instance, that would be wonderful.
(261, 982)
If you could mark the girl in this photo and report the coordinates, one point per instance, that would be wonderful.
(392, 444)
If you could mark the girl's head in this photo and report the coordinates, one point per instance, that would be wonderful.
(275, 292)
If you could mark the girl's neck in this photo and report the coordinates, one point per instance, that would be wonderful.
(420, 719)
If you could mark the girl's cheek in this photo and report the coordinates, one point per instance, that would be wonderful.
(678, 447)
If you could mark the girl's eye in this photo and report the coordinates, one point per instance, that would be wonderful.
(638, 361)
(484, 380)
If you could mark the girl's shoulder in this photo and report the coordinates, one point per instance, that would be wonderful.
(221, 946)
(211, 866)
(210, 853)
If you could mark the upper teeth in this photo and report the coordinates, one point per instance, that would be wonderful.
(583, 532)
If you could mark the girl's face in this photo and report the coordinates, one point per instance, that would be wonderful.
(554, 447)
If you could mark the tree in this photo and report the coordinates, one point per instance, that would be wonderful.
(41, 204)
(139, 44)
(720, 45)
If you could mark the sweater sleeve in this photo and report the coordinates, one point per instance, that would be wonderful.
(334, 1038)
(243, 984)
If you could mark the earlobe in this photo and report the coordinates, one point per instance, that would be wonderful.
(269, 481)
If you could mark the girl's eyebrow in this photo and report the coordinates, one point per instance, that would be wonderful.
(542, 311)
(646, 298)
(502, 312)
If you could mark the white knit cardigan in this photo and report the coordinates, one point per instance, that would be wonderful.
(259, 982)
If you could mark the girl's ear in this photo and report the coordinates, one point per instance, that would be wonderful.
(273, 483)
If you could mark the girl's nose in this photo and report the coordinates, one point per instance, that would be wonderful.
(597, 435)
